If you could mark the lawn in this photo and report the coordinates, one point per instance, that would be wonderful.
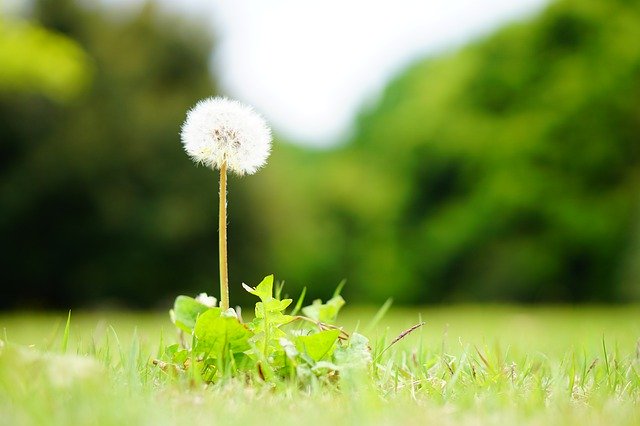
(466, 365)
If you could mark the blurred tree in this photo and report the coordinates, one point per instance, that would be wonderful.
(506, 171)
(37, 60)
(97, 199)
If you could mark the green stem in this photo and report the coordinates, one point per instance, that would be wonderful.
(222, 239)
(266, 329)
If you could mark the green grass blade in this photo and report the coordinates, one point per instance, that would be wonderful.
(606, 356)
(65, 336)
(340, 287)
(298, 306)
(379, 314)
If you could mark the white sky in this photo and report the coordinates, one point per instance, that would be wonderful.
(309, 65)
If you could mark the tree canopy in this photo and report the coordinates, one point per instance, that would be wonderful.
(505, 171)
(508, 170)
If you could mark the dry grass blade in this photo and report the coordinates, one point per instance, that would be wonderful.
(400, 337)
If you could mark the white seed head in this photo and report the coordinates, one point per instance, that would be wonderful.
(219, 129)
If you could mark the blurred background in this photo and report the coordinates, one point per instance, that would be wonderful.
(452, 152)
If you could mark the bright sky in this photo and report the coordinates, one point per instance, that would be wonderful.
(309, 65)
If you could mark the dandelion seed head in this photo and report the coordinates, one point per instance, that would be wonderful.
(219, 130)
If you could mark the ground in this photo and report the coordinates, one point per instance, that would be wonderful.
(466, 365)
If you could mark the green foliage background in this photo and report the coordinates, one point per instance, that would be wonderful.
(506, 171)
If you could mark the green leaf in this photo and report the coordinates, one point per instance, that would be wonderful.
(216, 334)
(170, 350)
(356, 354)
(327, 312)
(276, 320)
(244, 362)
(271, 306)
(264, 290)
(318, 345)
(180, 356)
(185, 311)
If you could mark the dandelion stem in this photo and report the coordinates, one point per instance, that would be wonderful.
(222, 240)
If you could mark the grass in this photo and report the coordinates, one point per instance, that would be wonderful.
(467, 365)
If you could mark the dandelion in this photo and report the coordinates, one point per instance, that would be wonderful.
(221, 131)
(226, 135)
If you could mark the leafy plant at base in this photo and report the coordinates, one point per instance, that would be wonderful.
(274, 346)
